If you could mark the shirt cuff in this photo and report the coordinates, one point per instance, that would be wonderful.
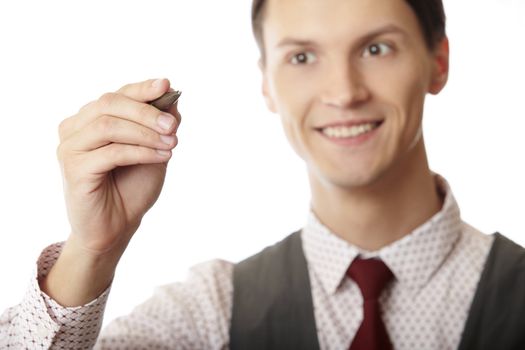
(51, 323)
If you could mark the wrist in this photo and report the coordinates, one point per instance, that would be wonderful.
(79, 275)
(91, 255)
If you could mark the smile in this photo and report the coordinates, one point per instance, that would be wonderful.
(343, 131)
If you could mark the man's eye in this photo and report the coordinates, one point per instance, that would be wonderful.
(303, 58)
(379, 49)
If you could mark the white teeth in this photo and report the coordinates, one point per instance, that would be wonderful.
(345, 131)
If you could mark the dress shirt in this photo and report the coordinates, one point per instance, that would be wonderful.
(436, 267)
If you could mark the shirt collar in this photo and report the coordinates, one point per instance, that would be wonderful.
(413, 259)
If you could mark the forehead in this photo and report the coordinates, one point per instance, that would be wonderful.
(335, 18)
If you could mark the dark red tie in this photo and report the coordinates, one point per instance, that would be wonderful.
(371, 275)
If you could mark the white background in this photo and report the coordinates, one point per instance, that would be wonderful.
(233, 185)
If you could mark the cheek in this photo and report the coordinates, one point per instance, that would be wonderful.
(411, 99)
(290, 89)
(293, 100)
(403, 92)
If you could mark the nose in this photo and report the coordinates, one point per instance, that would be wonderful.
(344, 86)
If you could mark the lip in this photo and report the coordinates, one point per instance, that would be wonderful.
(349, 123)
(352, 141)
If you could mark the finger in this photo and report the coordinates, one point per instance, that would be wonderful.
(173, 110)
(142, 92)
(145, 91)
(114, 155)
(123, 107)
(108, 129)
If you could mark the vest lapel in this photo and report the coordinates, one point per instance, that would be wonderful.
(272, 301)
(496, 319)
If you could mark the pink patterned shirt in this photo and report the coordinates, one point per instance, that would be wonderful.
(436, 268)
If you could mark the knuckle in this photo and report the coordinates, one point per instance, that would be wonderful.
(106, 126)
(145, 134)
(107, 99)
(126, 87)
(63, 127)
(146, 109)
(87, 106)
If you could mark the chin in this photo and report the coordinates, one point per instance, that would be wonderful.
(349, 180)
(354, 182)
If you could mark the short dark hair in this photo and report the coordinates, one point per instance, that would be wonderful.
(430, 13)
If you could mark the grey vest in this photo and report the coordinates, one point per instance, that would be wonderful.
(272, 301)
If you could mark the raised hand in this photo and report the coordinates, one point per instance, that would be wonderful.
(113, 154)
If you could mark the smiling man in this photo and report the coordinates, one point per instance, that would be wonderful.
(384, 260)
(349, 79)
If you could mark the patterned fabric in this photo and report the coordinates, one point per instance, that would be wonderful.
(436, 269)
(39, 321)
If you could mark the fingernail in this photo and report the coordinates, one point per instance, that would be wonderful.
(165, 121)
(157, 83)
(164, 153)
(167, 139)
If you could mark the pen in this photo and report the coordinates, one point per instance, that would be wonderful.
(166, 101)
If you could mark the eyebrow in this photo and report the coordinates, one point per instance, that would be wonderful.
(389, 28)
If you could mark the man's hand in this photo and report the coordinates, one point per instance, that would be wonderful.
(113, 154)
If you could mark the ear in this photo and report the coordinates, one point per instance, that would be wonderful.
(265, 88)
(441, 67)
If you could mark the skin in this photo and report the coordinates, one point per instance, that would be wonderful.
(113, 154)
(370, 195)
(339, 61)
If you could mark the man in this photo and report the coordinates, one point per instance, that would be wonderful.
(349, 80)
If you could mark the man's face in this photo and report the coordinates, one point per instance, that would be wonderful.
(348, 78)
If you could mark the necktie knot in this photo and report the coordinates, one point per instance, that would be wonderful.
(371, 275)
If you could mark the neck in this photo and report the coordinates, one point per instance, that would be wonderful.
(384, 211)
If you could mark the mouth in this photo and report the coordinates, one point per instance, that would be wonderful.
(350, 130)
